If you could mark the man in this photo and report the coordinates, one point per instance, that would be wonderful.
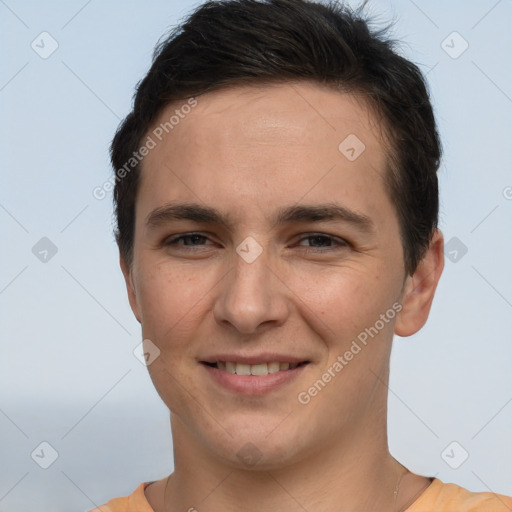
(276, 199)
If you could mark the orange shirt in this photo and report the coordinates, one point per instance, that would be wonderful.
(437, 497)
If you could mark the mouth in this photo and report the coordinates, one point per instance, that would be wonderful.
(258, 369)
(253, 377)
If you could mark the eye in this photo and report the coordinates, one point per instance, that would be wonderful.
(189, 240)
(313, 242)
(321, 240)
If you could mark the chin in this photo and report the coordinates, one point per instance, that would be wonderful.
(256, 445)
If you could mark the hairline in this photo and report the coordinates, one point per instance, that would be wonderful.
(385, 134)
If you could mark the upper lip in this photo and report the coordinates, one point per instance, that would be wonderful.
(254, 359)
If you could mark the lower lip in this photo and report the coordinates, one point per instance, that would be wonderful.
(253, 384)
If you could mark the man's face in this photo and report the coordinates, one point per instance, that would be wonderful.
(268, 288)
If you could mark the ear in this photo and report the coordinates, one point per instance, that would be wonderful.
(419, 289)
(130, 288)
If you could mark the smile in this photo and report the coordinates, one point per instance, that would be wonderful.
(254, 376)
(259, 369)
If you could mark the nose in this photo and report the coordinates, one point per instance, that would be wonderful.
(251, 296)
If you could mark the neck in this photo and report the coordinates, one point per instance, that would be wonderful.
(360, 475)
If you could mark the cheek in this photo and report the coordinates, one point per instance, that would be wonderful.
(340, 302)
(168, 300)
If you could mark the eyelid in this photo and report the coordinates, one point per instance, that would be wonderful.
(180, 236)
(336, 241)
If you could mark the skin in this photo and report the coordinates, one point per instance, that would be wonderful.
(248, 151)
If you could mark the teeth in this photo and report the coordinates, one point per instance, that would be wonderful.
(258, 369)
(243, 369)
(255, 369)
(273, 367)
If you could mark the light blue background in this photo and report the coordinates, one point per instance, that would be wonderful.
(67, 369)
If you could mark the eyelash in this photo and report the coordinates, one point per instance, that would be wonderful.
(338, 243)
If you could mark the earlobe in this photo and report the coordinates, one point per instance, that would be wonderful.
(420, 287)
(130, 288)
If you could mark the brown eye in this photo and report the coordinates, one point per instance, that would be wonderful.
(320, 240)
(188, 240)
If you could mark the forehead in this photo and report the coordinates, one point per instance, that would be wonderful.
(285, 114)
(271, 144)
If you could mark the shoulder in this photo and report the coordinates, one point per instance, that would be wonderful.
(447, 497)
(135, 502)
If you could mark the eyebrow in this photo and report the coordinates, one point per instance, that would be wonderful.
(287, 215)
